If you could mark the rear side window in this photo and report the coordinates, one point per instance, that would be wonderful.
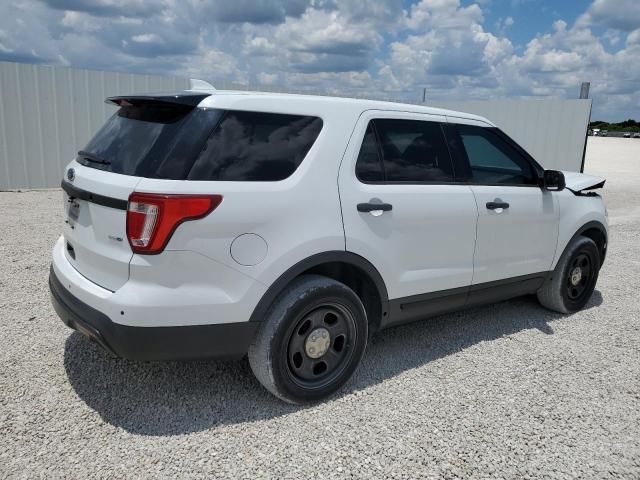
(253, 146)
(491, 159)
(413, 151)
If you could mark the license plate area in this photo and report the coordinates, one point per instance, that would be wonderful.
(73, 209)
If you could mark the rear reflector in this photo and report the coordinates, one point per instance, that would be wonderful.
(152, 218)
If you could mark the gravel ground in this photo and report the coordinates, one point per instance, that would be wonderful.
(506, 391)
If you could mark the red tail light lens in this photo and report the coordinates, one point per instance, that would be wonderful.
(152, 218)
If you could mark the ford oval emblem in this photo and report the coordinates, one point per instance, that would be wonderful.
(71, 174)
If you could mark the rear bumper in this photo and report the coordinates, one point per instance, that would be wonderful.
(173, 289)
(225, 340)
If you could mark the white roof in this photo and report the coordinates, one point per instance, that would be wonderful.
(317, 105)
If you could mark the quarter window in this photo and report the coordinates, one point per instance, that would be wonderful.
(255, 146)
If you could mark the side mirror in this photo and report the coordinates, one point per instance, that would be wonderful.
(553, 180)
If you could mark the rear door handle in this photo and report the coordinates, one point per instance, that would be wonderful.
(496, 205)
(373, 207)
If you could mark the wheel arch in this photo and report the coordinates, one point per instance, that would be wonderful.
(351, 269)
(594, 230)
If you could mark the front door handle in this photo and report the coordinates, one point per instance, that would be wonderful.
(496, 205)
(373, 207)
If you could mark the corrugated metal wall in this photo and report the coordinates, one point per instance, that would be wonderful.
(48, 113)
(553, 131)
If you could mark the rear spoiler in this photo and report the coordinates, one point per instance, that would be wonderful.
(190, 98)
(198, 91)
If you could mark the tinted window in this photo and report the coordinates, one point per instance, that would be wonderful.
(151, 139)
(368, 165)
(252, 146)
(491, 160)
(413, 151)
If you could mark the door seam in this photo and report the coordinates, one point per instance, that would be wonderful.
(475, 243)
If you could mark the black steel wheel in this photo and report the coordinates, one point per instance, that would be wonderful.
(321, 344)
(571, 284)
(312, 340)
(579, 277)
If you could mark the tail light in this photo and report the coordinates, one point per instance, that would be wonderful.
(152, 218)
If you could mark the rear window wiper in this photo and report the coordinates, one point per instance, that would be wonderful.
(92, 158)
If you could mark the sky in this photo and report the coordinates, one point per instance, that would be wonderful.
(387, 49)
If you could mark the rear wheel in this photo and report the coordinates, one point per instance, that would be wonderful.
(574, 278)
(312, 340)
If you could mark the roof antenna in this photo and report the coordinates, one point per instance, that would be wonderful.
(196, 84)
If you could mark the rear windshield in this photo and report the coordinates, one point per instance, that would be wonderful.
(178, 142)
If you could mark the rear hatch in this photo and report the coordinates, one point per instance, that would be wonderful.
(95, 224)
(155, 136)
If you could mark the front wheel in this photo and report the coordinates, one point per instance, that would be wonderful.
(311, 341)
(573, 280)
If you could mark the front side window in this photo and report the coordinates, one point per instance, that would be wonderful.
(413, 151)
(255, 146)
(491, 160)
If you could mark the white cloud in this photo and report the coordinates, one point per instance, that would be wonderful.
(319, 33)
(267, 78)
(80, 22)
(211, 64)
(147, 38)
(612, 37)
(634, 38)
(108, 8)
(259, 46)
(617, 14)
(443, 15)
(447, 48)
(502, 25)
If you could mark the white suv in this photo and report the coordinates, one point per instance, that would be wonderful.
(290, 228)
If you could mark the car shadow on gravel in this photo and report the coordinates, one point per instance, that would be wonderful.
(172, 398)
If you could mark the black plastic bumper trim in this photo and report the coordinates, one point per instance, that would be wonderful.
(225, 340)
(408, 309)
(75, 192)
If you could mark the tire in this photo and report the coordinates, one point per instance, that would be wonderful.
(312, 340)
(573, 280)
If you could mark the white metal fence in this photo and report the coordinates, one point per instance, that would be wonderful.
(48, 113)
